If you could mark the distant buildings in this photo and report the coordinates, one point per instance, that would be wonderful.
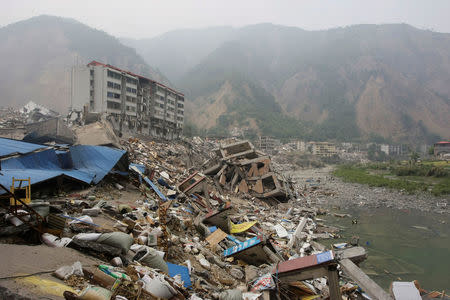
(323, 149)
(393, 150)
(132, 102)
(441, 148)
(267, 143)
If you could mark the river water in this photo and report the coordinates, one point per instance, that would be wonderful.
(402, 245)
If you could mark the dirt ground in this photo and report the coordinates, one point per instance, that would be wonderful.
(23, 259)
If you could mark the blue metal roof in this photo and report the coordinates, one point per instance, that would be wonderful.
(88, 164)
(9, 147)
(96, 160)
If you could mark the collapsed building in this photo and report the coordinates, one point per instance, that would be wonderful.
(242, 168)
(131, 102)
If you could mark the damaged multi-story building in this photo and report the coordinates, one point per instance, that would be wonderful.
(133, 103)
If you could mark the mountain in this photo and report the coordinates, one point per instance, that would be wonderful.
(178, 51)
(37, 54)
(377, 82)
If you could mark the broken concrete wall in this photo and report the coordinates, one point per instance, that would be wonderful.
(242, 169)
(52, 130)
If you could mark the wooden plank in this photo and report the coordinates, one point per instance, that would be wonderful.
(213, 170)
(333, 283)
(305, 274)
(185, 183)
(235, 178)
(243, 187)
(252, 171)
(245, 153)
(261, 177)
(216, 237)
(258, 187)
(221, 171)
(254, 160)
(365, 282)
(274, 193)
(264, 169)
(355, 254)
(217, 184)
(222, 179)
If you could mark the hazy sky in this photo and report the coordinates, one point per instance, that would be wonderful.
(148, 18)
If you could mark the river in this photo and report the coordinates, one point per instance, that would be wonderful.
(402, 245)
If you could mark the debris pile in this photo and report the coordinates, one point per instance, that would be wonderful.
(165, 230)
(241, 168)
(34, 120)
(37, 113)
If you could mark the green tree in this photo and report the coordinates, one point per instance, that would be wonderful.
(413, 157)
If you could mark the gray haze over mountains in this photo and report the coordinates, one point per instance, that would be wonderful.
(388, 81)
(38, 53)
(354, 83)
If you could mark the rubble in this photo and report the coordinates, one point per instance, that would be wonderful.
(241, 168)
(196, 220)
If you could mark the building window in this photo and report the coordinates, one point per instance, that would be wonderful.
(131, 90)
(113, 85)
(180, 112)
(112, 105)
(161, 105)
(113, 95)
(180, 105)
(132, 81)
(114, 75)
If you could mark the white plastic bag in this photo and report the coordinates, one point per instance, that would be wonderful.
(16, 221)
(65, 271)
(158, 287)
(88, 236)
(54, 241)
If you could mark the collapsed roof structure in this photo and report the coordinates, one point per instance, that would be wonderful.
(81, 163)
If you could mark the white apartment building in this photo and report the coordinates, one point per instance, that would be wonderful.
(133, 102)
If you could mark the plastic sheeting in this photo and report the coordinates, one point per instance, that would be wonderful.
(10, 147)
(87, 164)
(182, 271)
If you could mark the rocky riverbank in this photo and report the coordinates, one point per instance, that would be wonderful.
(319, 187)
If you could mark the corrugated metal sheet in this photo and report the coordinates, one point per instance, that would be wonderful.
(9, 147)
(96, 160)
(88, 164)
